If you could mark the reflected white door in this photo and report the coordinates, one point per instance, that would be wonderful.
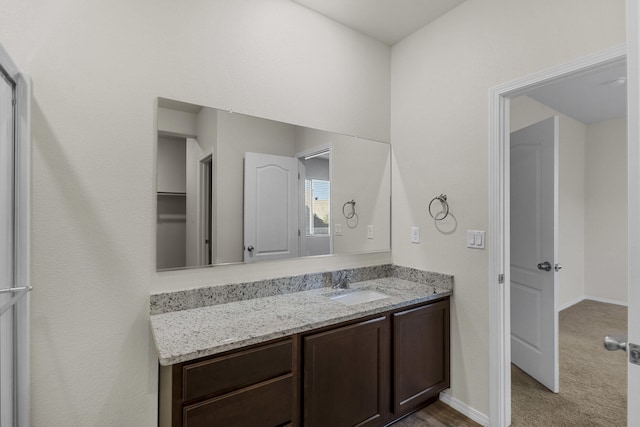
(302, 235)
(270, 207)
(534, 213)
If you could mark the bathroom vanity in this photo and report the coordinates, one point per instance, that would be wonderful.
(304, 358)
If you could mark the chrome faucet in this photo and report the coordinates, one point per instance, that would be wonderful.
(343, 281)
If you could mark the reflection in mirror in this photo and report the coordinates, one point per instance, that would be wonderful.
(235, 188)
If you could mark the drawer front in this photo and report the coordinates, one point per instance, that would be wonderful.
(268, 404)
(227, 373)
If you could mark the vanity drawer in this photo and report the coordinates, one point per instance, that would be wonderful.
(234, 371)
(268, 404)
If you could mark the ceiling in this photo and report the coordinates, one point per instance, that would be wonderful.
(388, 21)
(590, 97)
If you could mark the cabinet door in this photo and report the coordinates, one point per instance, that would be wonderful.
(420, 355)
(346, 375)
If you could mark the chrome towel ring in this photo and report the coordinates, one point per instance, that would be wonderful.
(445, 207)
(353, 209)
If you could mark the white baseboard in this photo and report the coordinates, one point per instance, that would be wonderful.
(598, 299)
(572, 302)
(608, 301)
(464, 409)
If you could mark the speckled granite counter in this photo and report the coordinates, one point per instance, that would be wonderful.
(185, 335)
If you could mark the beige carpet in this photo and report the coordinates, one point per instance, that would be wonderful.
(593, 381)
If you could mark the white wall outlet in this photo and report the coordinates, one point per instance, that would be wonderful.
(337, 229)
(415, 234)
(475, 239)
(369, 231)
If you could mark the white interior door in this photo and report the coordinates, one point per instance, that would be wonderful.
(270, 207)
(534, 213)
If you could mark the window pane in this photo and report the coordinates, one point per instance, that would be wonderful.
(317, 206)
(320, 190)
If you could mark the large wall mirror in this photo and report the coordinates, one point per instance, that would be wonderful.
(233, 188)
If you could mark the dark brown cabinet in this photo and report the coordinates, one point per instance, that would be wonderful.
(265, 404)
(420, 355)
(346, 375)
(253, 387)
(368, 372)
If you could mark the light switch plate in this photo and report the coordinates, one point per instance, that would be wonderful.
(338, 229)
(475, 239)
(369, 231)
(415, 234)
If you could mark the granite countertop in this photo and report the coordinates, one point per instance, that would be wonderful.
(185, 335)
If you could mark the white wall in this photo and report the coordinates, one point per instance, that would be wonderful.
(208, 141)
(194, 233)
(360, 171)
(97, 69)
(239, 134)
(317, 168)
(441, 78)
(177, 122)
(171, 164)
(526, 111)
(606, 218)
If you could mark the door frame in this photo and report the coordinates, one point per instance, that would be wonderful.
(301, 155)
(633, 198)
(22, 237)
(205, 208)
(499, 221)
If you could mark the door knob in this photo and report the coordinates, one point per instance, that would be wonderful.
(546, 266)
(613, 343)
(250, 248)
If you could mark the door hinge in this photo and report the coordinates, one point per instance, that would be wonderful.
(298, 175)
(500, 278)
(298, 232)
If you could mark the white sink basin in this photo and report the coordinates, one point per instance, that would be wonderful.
(359, 297)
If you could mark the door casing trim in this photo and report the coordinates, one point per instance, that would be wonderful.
(22, 237)
(499, 223)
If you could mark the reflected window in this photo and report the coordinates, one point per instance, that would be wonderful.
(316, 197)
